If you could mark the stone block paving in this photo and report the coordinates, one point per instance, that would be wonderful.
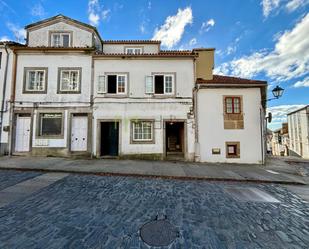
(9, 178)
(107, 212)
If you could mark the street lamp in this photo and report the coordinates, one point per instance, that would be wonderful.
(277, 92)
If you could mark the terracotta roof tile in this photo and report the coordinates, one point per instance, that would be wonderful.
(161, 53)
(131, 42)
(220, 79)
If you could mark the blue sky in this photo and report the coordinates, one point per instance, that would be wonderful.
(260, 39)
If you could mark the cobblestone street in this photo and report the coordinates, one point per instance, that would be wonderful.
(108, 212)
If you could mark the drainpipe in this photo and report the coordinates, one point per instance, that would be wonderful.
(4, 91)
(262, 128)
(12, 102)
(195, 103)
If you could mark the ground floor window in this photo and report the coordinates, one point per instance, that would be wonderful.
(142, 131)
(50, 124)
(232, 149)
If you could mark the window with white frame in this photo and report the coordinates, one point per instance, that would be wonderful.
(61, 39)
(112, 84)
(35, 80)
(133, 50)
(50, 124)
(160, 84)
(69, 80)
(142, 131)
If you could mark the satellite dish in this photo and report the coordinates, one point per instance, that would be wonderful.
(270, 117)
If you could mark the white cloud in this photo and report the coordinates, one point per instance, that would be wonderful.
(93, 12)
(4, 38)
(38, 10)
(295, 4)
(302, 83)
(5, 5)
(106, 14)
(19, 33)
(269, 6)
(149, 5)
(279, 112)
(193, 42)
(289, 59)
(206, 26)
(171, 32)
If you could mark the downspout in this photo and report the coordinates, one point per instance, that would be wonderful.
(12, 102)
(4, 91)
(262, 135)
(91, 104)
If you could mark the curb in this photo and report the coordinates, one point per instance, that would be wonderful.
(187, 178)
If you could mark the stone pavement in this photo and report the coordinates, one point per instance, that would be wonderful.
(88, 211)
(166, 169)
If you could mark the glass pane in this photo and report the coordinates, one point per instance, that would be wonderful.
(231, 150)
(149, 84)
(168, 84)
(65, 81)
(229, 105)
(51, 124)
(66, 40)
(101, 84)
(121, 84)
(74, 80)
(31, 81)
(137, 51)
(56, 40)
(236, 105)
(130, 51)
(40, 80)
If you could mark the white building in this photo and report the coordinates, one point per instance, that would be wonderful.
(298, 122)
(70, 93)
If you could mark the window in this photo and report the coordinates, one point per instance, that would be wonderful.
(233, 150)
(112, 84)
(69, 80)
(61, 40)
(35, 80)
(232, 105)
(133, 50)
(50, 124)
(142, 131)
(0, 58)
(159, 84)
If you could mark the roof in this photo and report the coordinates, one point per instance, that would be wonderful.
(300, 109)
(162, 53)
(62, 17)
(11, 43)
(131, 42)
(220, 79)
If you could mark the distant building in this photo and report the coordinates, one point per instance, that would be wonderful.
(298, 122)
(280, 141)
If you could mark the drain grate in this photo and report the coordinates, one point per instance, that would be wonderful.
(250, 194)
(158, 233)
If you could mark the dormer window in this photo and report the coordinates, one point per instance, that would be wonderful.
(133, 50)
(61, 39)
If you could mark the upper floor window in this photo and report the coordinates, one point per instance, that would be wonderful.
(35, 80)
(113, 84)
(133, 50)
(61, 39)
(69, 80)
(232, 105)
(160, 84)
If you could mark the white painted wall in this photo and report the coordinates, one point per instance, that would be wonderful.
(132, 110)
(40, 37)
(211, 132)
(298, 123)
(141, 106)
(120, 48)
(138, 69)
(53, 62)
(5, 121)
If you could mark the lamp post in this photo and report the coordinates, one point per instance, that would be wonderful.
(277, 92)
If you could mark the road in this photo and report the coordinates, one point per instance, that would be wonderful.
(86, 211)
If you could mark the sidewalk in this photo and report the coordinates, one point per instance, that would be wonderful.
(163, 169)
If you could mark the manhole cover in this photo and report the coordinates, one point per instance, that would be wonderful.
(158, 233)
